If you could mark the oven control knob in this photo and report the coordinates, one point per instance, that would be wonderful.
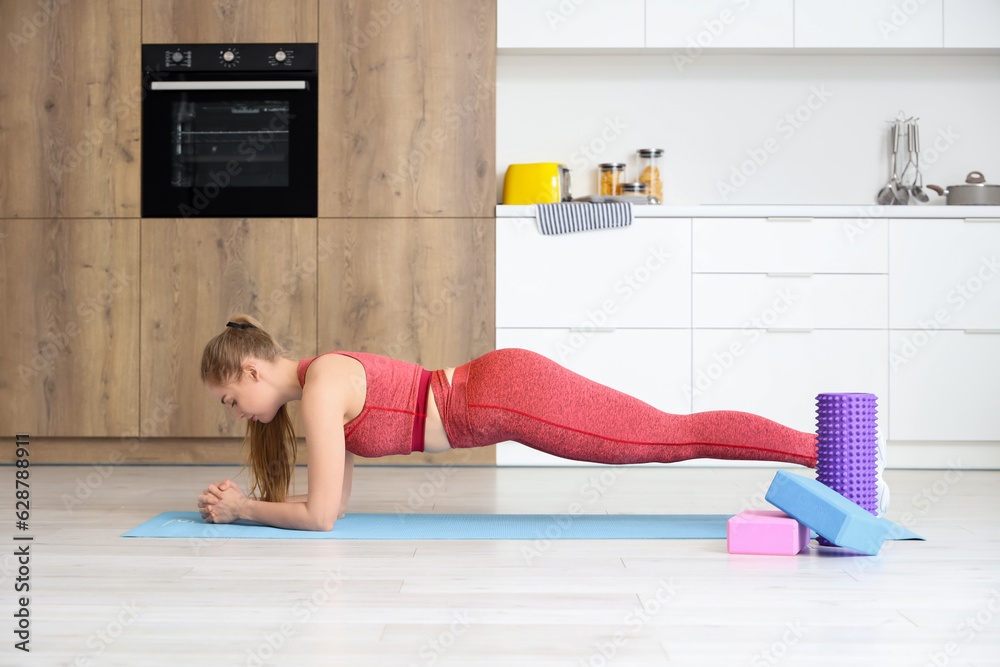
(229, 56)
(280, 56)
(177, 56)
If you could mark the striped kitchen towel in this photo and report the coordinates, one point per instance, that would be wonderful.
(569, 217)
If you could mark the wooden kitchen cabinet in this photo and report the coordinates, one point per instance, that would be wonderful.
(195, 275)
(211, 21)
(69, 311)
(594, 24)
(407, 108)
(71, 109)
(413, 289)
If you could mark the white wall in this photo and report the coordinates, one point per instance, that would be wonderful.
(712, 114)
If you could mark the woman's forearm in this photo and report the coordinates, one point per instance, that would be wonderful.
(292, 515)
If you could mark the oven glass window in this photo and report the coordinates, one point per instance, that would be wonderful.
(239, 143)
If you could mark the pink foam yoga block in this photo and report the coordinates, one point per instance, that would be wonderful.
(767, 532)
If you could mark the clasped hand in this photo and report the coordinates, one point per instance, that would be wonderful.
(221, 502)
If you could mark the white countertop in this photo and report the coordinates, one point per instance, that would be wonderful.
(789, 211)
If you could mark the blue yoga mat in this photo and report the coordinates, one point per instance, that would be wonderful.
(455, 527)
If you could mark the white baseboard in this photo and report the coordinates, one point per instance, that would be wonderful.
(928, 455)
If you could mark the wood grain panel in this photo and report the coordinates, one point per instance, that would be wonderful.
(414, 289)
(70, 109)
(69, 317)
(195, 274)
(407, 108)
(210, 21)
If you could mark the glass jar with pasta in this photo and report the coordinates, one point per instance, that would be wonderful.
(649, 172)
(610, 177)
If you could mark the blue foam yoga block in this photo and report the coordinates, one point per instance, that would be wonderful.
(831, 515)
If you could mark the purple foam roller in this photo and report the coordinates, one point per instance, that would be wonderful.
(846, 460)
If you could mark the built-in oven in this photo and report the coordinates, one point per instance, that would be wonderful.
(229, 130)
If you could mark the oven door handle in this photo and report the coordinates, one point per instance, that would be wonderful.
(228, 85)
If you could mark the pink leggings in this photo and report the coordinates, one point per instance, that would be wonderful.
(519, 395)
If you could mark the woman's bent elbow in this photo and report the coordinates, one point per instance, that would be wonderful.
(325, 524)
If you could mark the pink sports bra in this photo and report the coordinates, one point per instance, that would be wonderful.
(395, 412)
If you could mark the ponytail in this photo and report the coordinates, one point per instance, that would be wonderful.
(272, 452)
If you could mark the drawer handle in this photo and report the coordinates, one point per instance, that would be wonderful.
(592, 329)
(788, 219)
(790, 275)
(981, 331)
(789, 330)
(982, 219)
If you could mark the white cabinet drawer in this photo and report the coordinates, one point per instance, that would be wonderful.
(637, 276)
(944, 385)
(944, 274)
(718, 23)
(779, 375)
(652, 365)
(821, 245)
(818, 301)
(868, 23)
(570, 24)
(971, 24)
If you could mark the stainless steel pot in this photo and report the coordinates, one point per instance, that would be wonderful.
(975, 191)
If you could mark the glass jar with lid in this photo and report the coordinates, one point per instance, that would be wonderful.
(649, 171)
(610, 177)
(638, 188)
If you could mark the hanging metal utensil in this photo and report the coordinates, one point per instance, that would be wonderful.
(886, 196)
(899, 192)
(917, 189)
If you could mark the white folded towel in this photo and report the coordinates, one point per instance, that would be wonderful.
(570, 217)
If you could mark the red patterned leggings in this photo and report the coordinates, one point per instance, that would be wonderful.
(519, 395)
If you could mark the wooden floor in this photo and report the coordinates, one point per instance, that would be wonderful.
(98, 597)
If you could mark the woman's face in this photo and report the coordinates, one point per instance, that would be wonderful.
(248, 397)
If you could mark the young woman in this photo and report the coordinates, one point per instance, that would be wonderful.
(366, 404)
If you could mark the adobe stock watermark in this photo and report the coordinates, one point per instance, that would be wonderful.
(641, 614)
(786, 127)
(378, 20)
(774, 653)
(30, 25)
(248, 149)
(753, 329)
(421, 495)
(408, 165)
(93, 138)
(288, 285)
(593, 489)
(959, 297)
(624, 288)
(589, 154)
(867, 216)
(971, 627)
(272, 642)
(55, 343)
(562, 13)
(424, 316)
(899, 16)
(712, 29)
(433, 648)
(100, 640)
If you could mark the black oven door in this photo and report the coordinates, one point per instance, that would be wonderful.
(242, 147)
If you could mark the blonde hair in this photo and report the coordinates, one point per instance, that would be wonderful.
(272, 453)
